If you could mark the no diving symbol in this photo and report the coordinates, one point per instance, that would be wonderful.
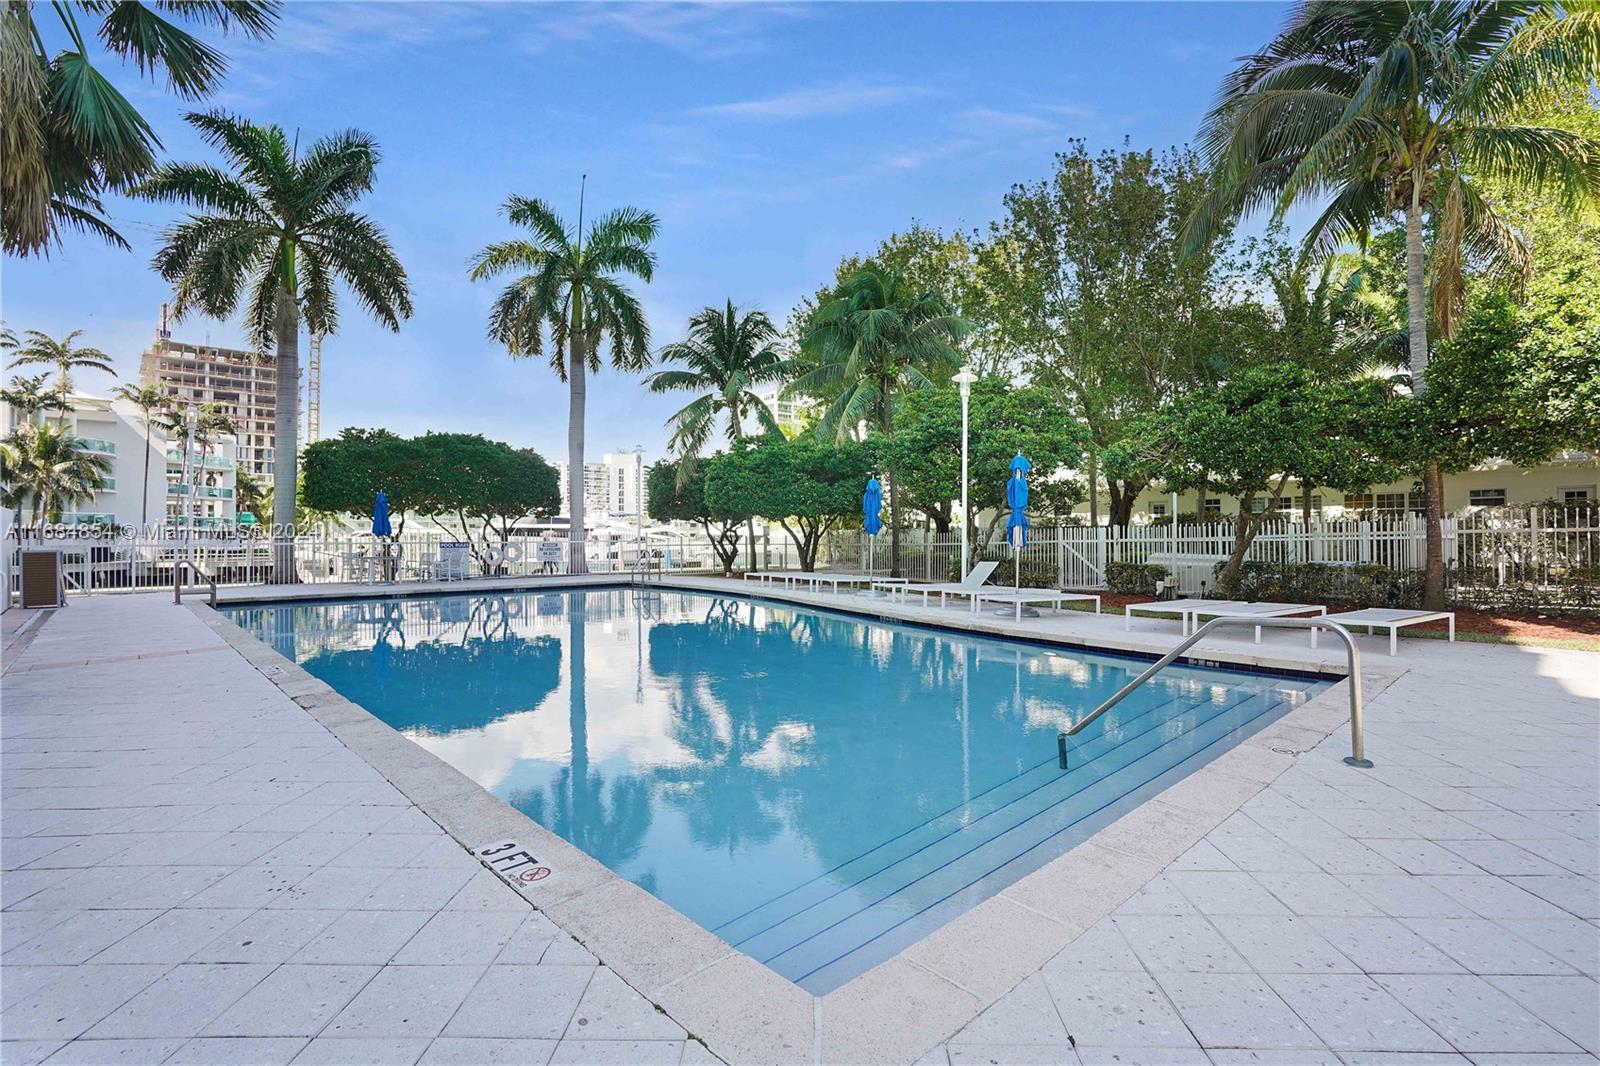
(538, 873)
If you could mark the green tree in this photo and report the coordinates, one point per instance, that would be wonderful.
(1090, 288)
(806, 485)
(282, 225)
(676, 496)
(1253, 434)
(1003, 420)
(725, 358)
(48, 470)
(148, 399)
(1379, 110)
(344, 474)
(249, 492)
(65, 355)
(875, 340)
(571, 289)
(69, 136)
(484, 487)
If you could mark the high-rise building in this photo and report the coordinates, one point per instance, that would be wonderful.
(244, 383)
(610, 487)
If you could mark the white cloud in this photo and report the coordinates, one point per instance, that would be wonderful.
(833, 98)
(702, 31)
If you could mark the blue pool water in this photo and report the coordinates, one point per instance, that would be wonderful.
(818, 789)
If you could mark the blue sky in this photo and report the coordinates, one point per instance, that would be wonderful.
(771, 139)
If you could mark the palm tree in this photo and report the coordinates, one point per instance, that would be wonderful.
(1385, 110)
(725, 356)
(249, 494)
(47, 469)
(69, 135)
(572, 291)
(36, 348)
(148, 399)
(872, 341)
(211, 421)
(30, 395)
(281, 225)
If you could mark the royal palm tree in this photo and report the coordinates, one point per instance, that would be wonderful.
(572, 291)
(1378, 111)
(875, 339)
(47, 469)
(32, 395)
(69, 135)
(148, 399)
(34, 348)
(281, 225)
(724, 358)
(249, 494)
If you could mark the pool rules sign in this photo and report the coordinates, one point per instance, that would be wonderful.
(514, 863)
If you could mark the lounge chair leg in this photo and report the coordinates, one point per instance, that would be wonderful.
(1394, 640)
(1452, 621)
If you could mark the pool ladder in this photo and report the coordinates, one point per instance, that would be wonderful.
(1357, 756)
(177, 580)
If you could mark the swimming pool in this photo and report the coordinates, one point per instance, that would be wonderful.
(819, 789)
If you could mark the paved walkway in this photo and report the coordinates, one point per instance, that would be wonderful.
(196, 871)
(1439, 908)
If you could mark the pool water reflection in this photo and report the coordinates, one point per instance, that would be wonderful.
(819, 789)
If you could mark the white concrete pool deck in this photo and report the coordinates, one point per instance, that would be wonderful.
(230, 863)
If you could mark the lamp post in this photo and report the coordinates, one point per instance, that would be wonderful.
(638, 504)
(964, 380)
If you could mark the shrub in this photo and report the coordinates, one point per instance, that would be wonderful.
(1036, 574)
(1360, 585)
(1134, 579)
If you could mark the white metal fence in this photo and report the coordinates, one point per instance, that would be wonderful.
(1539, 554)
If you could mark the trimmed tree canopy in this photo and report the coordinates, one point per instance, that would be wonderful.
(806, 485)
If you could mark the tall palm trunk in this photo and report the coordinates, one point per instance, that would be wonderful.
(144, 494)
(285, 434)
(1417, 324)
(577, 397)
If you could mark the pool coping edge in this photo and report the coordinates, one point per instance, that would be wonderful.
(894, 1012)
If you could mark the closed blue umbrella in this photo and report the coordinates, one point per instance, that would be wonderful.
(380, 516)
(872, 507)
(871, 514)
(1017, 499)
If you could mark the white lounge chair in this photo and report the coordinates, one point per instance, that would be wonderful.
(1259, 609)
(816, 579)
(1054, 597)
(965, 587)
(1181, 608)
(1393, 619)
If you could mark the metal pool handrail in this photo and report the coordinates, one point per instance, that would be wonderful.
(1357, 755)
(177, 580)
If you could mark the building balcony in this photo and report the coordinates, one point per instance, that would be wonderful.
(95, 444)
(211, 492)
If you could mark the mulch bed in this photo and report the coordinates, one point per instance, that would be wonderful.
(1485, 623)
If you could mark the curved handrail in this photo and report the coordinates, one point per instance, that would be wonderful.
(177, 580)
(1357, 755)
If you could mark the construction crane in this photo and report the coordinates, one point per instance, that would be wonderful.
(314, 389)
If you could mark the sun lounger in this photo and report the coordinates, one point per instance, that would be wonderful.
(966, 587)
(1054, 597)
(785, 576)
(1181, 608)
(1393, 619)
(818, 578)
(1259, 609)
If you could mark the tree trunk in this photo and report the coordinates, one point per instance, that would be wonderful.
(750, 536)
(1417, 328)
(285, 436)
(577, 395)
(1305, 505)
(144, 495)
(1094, 487)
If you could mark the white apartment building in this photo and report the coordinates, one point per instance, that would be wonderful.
(114, 429)
(209, 497)
(792, 415)
(610, 487)
(244, 383)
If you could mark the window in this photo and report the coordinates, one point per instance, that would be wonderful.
(1390, 501)
(1213, 508)
(1487, 497)
(1158, 510)
(1582, 495)
(1258, 505)
(1287, 504)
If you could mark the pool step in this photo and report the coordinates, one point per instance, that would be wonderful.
(1155, 710)
(818, 935)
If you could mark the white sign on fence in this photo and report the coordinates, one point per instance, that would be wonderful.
(548, 551)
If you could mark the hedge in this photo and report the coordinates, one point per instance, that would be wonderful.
(1362, 585)
(1134, 579)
